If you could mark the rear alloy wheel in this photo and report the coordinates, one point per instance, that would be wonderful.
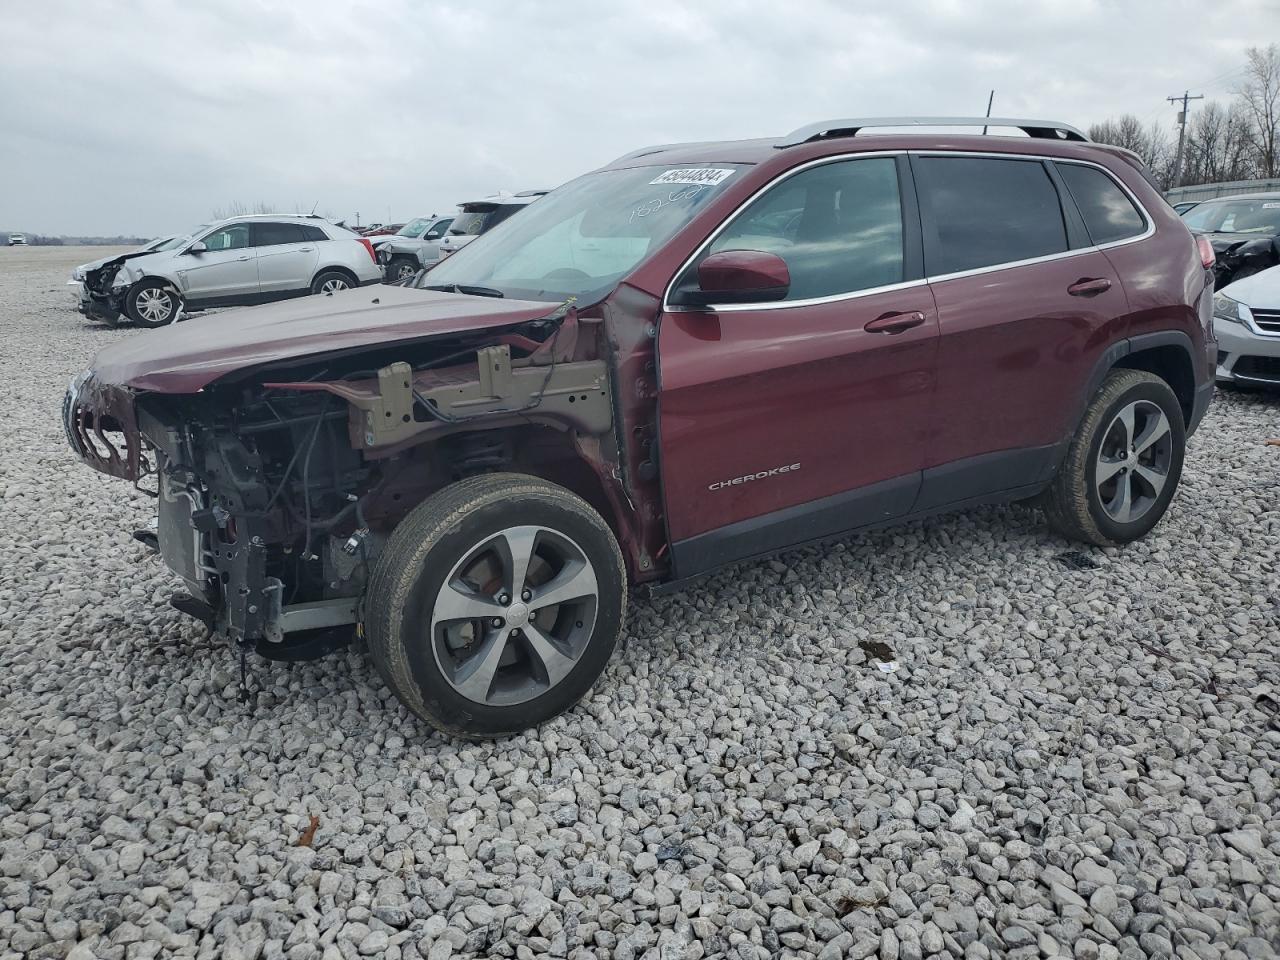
(496, 604)
(331, 281)
(152, 303)
(1123, 465)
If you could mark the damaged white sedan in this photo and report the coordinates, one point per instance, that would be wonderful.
(238, 261)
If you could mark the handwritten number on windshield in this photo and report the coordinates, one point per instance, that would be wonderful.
(657, 203)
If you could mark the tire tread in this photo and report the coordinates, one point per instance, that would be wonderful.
(406, 550)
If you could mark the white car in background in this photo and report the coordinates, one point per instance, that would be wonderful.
(481, 216)
(1246, 319)
(17, 240)
(239, 261)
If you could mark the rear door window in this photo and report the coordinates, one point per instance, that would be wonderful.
(1109, 214)
(982, 212)
(274, 234)
(312, 233)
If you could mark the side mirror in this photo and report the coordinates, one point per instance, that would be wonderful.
(737, 276)
(198, 247)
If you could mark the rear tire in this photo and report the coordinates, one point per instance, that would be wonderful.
(152, 303)
(1123, 466)
(474, 639)
(331, 281)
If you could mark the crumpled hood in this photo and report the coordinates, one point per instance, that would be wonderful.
(1222, 242)
(188, 356)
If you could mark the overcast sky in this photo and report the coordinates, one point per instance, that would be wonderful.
(143, 117)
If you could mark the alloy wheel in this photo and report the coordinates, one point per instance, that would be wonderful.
(514, 615)
(155, 305)
(334, 284)
(1134, 461)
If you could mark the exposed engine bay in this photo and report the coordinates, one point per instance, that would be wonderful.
(277, 489)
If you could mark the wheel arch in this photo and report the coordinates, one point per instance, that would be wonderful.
(336, 268)
(1168, 354)
(558, 456)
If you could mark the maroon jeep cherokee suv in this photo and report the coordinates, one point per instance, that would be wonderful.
(692, 356)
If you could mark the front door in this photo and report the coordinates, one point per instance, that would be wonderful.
(787, 421)
(226, 271)
(286, 257)
(1026, 306)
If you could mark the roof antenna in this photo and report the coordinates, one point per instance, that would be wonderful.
(317, 203)
(990, 100)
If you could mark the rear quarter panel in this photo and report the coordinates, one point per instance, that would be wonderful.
(1167, 286)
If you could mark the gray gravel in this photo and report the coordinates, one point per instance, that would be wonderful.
(1067, 762)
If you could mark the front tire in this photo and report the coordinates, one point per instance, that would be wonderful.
(400, 268)
(1124, 463)
(496, 605)
(152, 303)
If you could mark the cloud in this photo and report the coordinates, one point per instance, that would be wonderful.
(145, 117)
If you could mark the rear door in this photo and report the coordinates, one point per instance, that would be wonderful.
(286, 256)
(1026, 307)
(787, 421)
(227, 271)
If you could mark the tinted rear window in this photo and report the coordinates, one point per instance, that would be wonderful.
(312, 233)
(986, 212)
(1108, 212)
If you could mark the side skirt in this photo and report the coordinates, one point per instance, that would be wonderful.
(998, 477)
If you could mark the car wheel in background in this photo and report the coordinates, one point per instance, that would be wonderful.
(152, 303)
(1123, 465)
(400, 268)
(331, 281)
(496, 604)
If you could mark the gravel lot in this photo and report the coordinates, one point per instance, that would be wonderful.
(1067, 762)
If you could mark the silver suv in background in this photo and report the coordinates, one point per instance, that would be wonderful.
(238, 261)
(412, 247)
(481, 216)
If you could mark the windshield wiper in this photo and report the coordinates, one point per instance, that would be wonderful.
(466, 288)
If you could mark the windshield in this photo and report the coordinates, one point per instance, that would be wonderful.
(171, 244)
(1236, 216)
(584, 237)
(414, 227)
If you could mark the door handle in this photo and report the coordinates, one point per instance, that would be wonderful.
(892, 323)
(304, 249)
(241, 259)
(1089, 287)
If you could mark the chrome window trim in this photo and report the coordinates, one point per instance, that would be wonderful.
(668, 307)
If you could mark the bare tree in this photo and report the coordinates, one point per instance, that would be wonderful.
(1151, 144)
(238, 208)
(1260, 94)
(1219, 145)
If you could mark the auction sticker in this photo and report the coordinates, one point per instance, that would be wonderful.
(708, 176)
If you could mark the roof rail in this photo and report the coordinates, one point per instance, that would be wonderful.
(829, 129)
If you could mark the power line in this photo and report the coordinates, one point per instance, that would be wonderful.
(1182, 130)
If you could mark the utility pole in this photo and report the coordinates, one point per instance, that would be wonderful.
(1182, 131)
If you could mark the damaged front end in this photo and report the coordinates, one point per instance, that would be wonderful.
(103, 287)
(277, 488)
